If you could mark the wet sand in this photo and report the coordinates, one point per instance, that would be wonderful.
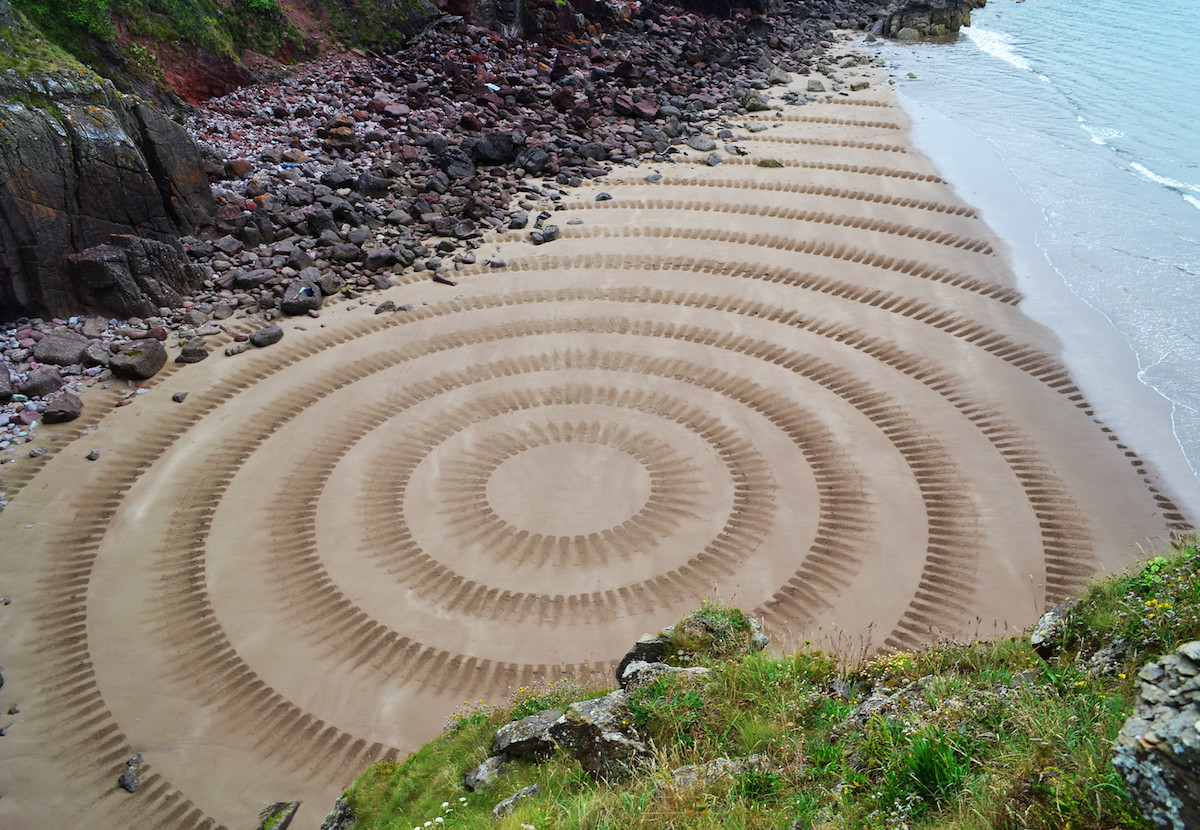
(808, 390)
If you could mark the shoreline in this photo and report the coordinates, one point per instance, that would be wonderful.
(1093, 349)
(735, 363)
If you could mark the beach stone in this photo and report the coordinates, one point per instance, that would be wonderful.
(507, 805)
(859, 86)
(815, 85)
(194, 317)
(93, 327)
(139, 360)
(6, 384)
(301, 297)
(266, 336)
(368, 184)
(495, 147)
(128, 780)
(253, 278)
(338, 176)
(484, 775)
(755, 101)
(42, 381)
(66, 407)
(528, 737)
(62, 348)
(533, 159)
(1158, 749)
(193, 351)
(456, 164)
(702, 143)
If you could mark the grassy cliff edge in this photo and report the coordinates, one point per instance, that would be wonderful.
(981, 734)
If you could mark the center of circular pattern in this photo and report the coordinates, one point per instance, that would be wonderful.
(568, 489)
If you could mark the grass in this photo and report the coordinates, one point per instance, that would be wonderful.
(222, 29)
(983, 734)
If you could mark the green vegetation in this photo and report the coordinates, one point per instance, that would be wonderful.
(956, 735)
(222, 29)
(28, 53)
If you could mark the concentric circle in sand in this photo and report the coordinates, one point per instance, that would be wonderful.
(805, 389)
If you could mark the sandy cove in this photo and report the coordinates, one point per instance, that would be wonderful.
(806, 389)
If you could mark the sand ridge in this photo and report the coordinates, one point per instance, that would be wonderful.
(806, 389)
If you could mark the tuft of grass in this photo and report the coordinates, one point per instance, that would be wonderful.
(973, 735)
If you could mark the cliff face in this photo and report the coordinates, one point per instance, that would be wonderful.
(913, 19)
(78, 162)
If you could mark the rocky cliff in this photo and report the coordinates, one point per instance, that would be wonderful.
(914, 19)
(79, 162)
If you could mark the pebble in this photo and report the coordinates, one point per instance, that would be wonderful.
(418, 152)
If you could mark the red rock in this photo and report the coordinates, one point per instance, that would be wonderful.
(646, 108)
(158, 333)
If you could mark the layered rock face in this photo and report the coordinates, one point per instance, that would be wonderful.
(913, 19)
(1158, 750)
(78, 163)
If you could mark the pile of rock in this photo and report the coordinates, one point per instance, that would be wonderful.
(1158, 749)
(360, 167)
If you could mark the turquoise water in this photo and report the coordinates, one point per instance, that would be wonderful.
(1074, 128)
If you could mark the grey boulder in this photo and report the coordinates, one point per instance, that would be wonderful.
(139, 359)
(62, 348)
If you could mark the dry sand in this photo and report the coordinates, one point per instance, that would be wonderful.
(806, 390)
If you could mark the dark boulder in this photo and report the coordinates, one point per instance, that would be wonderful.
(62, 348)
(926, 18)
(77, 168)
(301, 297)
(44, 380)
(338, 176)
(139, 359)
(266, 336)
(495, 147)
(66, 407)
(193, 351)
(456, 164)
(130, 276)
(533, 159)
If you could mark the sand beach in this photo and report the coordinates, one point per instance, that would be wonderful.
(799, 381)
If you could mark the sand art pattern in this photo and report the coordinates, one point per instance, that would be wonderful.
(804, 389)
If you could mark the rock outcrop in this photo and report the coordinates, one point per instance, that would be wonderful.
(915, 19)
(1158, 748)
(79, 162)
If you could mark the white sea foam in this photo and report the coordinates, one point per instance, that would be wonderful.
(998, 45)
(1182, 188)
(1100, 135)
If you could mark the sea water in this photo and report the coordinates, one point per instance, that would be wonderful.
(1073, 127)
